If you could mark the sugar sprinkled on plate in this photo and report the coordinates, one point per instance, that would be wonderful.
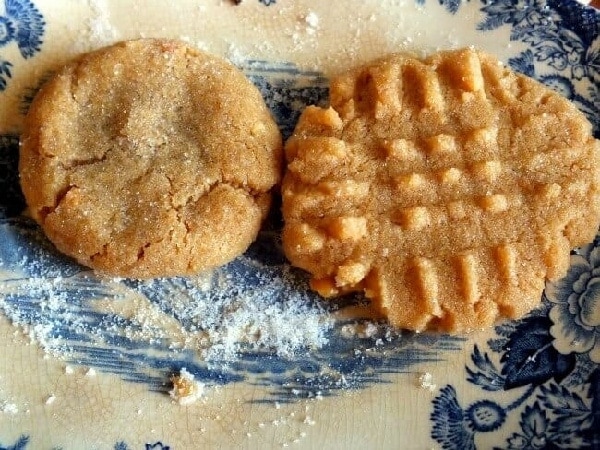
(216, 315)
(98, 29)
(312, 21)
(9, 408)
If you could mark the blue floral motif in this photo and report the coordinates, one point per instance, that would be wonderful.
(21, 444)
(455, 428)
(450, 426)
(7, 31)
(5, 73)
(576, 307)
(591, 60)
(452, 6)
(534, 425)
(549, 359)
(560, 35)
(24, 24)
(523, 15)
(264, 2)
(149, 446)
(29, 24)
(523, 63)
(157, 446)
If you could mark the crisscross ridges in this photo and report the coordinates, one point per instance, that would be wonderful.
(447, 189)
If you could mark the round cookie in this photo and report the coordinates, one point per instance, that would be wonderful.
(150, 158)
(447, 189)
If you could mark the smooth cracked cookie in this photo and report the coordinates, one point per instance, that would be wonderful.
(150, 158)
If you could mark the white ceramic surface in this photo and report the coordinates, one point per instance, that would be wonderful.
(86, 362)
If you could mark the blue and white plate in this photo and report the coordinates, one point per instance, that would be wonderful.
(87, 362)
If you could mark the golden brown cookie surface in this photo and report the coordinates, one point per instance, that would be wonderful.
(149, 158)
(447, 189)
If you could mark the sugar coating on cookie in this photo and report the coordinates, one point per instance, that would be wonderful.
(447, 189)
(149, 158)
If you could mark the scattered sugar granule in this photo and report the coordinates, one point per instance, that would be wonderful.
(50, 399)
(235, 55)
(98, 29)
(101, 30)
(186, 390)
(9, 408)
(312, 20)
(205, 318)
(426, 381)
(309, 421)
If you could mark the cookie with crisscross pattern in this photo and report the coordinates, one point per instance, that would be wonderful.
(448, 189)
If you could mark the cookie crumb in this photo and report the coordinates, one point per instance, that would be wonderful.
(426, 382)
(186, 390)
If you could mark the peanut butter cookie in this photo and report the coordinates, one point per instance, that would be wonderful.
(149, 158)
(448, 189)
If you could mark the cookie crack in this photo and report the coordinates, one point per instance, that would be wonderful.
(45, 211)
(101, 253)
(73, 163)
(210, 187)
(142, 251)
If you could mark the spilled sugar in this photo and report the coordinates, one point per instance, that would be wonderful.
(8, 408)
(97, 30)
(217, 315)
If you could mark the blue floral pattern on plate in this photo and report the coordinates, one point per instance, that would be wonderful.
(562, 36)
(21, 444)
(546, 364)
(23, 24)
(549, 360)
